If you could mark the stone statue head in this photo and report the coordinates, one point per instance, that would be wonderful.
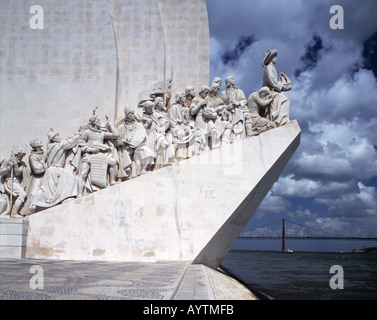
(159, 103)
(225, 115)
(51, 135)
(20, 153)
(36, 144)
(216, 80)
(264, 91)
(129, 114)
(215, 89)
(190, 91)
(148, 107)
(94, 121)
(180, 97)
(230, 81)
(204, 90)
(269, 56)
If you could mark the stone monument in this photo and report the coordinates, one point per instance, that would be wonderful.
(174, 176)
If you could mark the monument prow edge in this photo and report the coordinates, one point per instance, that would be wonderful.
(192, 210)
(217, 248)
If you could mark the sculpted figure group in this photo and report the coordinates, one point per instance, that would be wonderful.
(103, 154)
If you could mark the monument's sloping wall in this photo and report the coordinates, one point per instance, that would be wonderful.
(192, 210)
(92, 52)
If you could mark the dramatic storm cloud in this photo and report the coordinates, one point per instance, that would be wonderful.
(331, 181)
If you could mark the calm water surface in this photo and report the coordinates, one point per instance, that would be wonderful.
(305, 275)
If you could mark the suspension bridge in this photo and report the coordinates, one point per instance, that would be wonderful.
(287, 233)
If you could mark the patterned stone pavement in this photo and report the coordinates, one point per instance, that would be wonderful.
(88, 280)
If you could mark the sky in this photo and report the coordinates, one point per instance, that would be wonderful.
(330, 183)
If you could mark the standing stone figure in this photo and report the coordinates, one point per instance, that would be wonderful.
(99, 159)
(222, 123)
(134, 153)
(276, 84)
(203, 123)
(58, 182)
(191, 100)
(165, 156)
(232, 96)
(207, 119)
(37, 159)
(259, 104)
(156, 126)
(187, 140)
(38, 166)
(15, 178)
(235, 100)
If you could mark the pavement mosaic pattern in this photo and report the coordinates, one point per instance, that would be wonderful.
(89, 280)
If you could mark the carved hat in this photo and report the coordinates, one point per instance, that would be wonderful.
(148, 104)
(51, 134)
(204, 88)
(34, 143)
(93, 119)
(268, 56)
(20, 151)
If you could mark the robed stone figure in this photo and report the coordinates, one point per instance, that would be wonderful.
(276, 84)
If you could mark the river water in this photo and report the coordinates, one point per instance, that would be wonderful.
(305, 275)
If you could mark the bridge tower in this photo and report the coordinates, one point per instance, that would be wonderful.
(283, 236)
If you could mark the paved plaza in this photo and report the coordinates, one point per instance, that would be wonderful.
(27, 279)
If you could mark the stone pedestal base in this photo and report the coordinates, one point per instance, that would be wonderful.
(13, 234)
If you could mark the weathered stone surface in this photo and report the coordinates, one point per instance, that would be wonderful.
(13, 234)
(53, 77)
(93, 52)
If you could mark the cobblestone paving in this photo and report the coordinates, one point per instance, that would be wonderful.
(87, 280)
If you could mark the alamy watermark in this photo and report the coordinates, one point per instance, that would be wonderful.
(37, 20)
(229, 159)
(337, 20)
(337, 280)
(37, 280)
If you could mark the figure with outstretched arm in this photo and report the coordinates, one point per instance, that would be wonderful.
(58, 183)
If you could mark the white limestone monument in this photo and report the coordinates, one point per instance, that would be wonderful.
(117, 146)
